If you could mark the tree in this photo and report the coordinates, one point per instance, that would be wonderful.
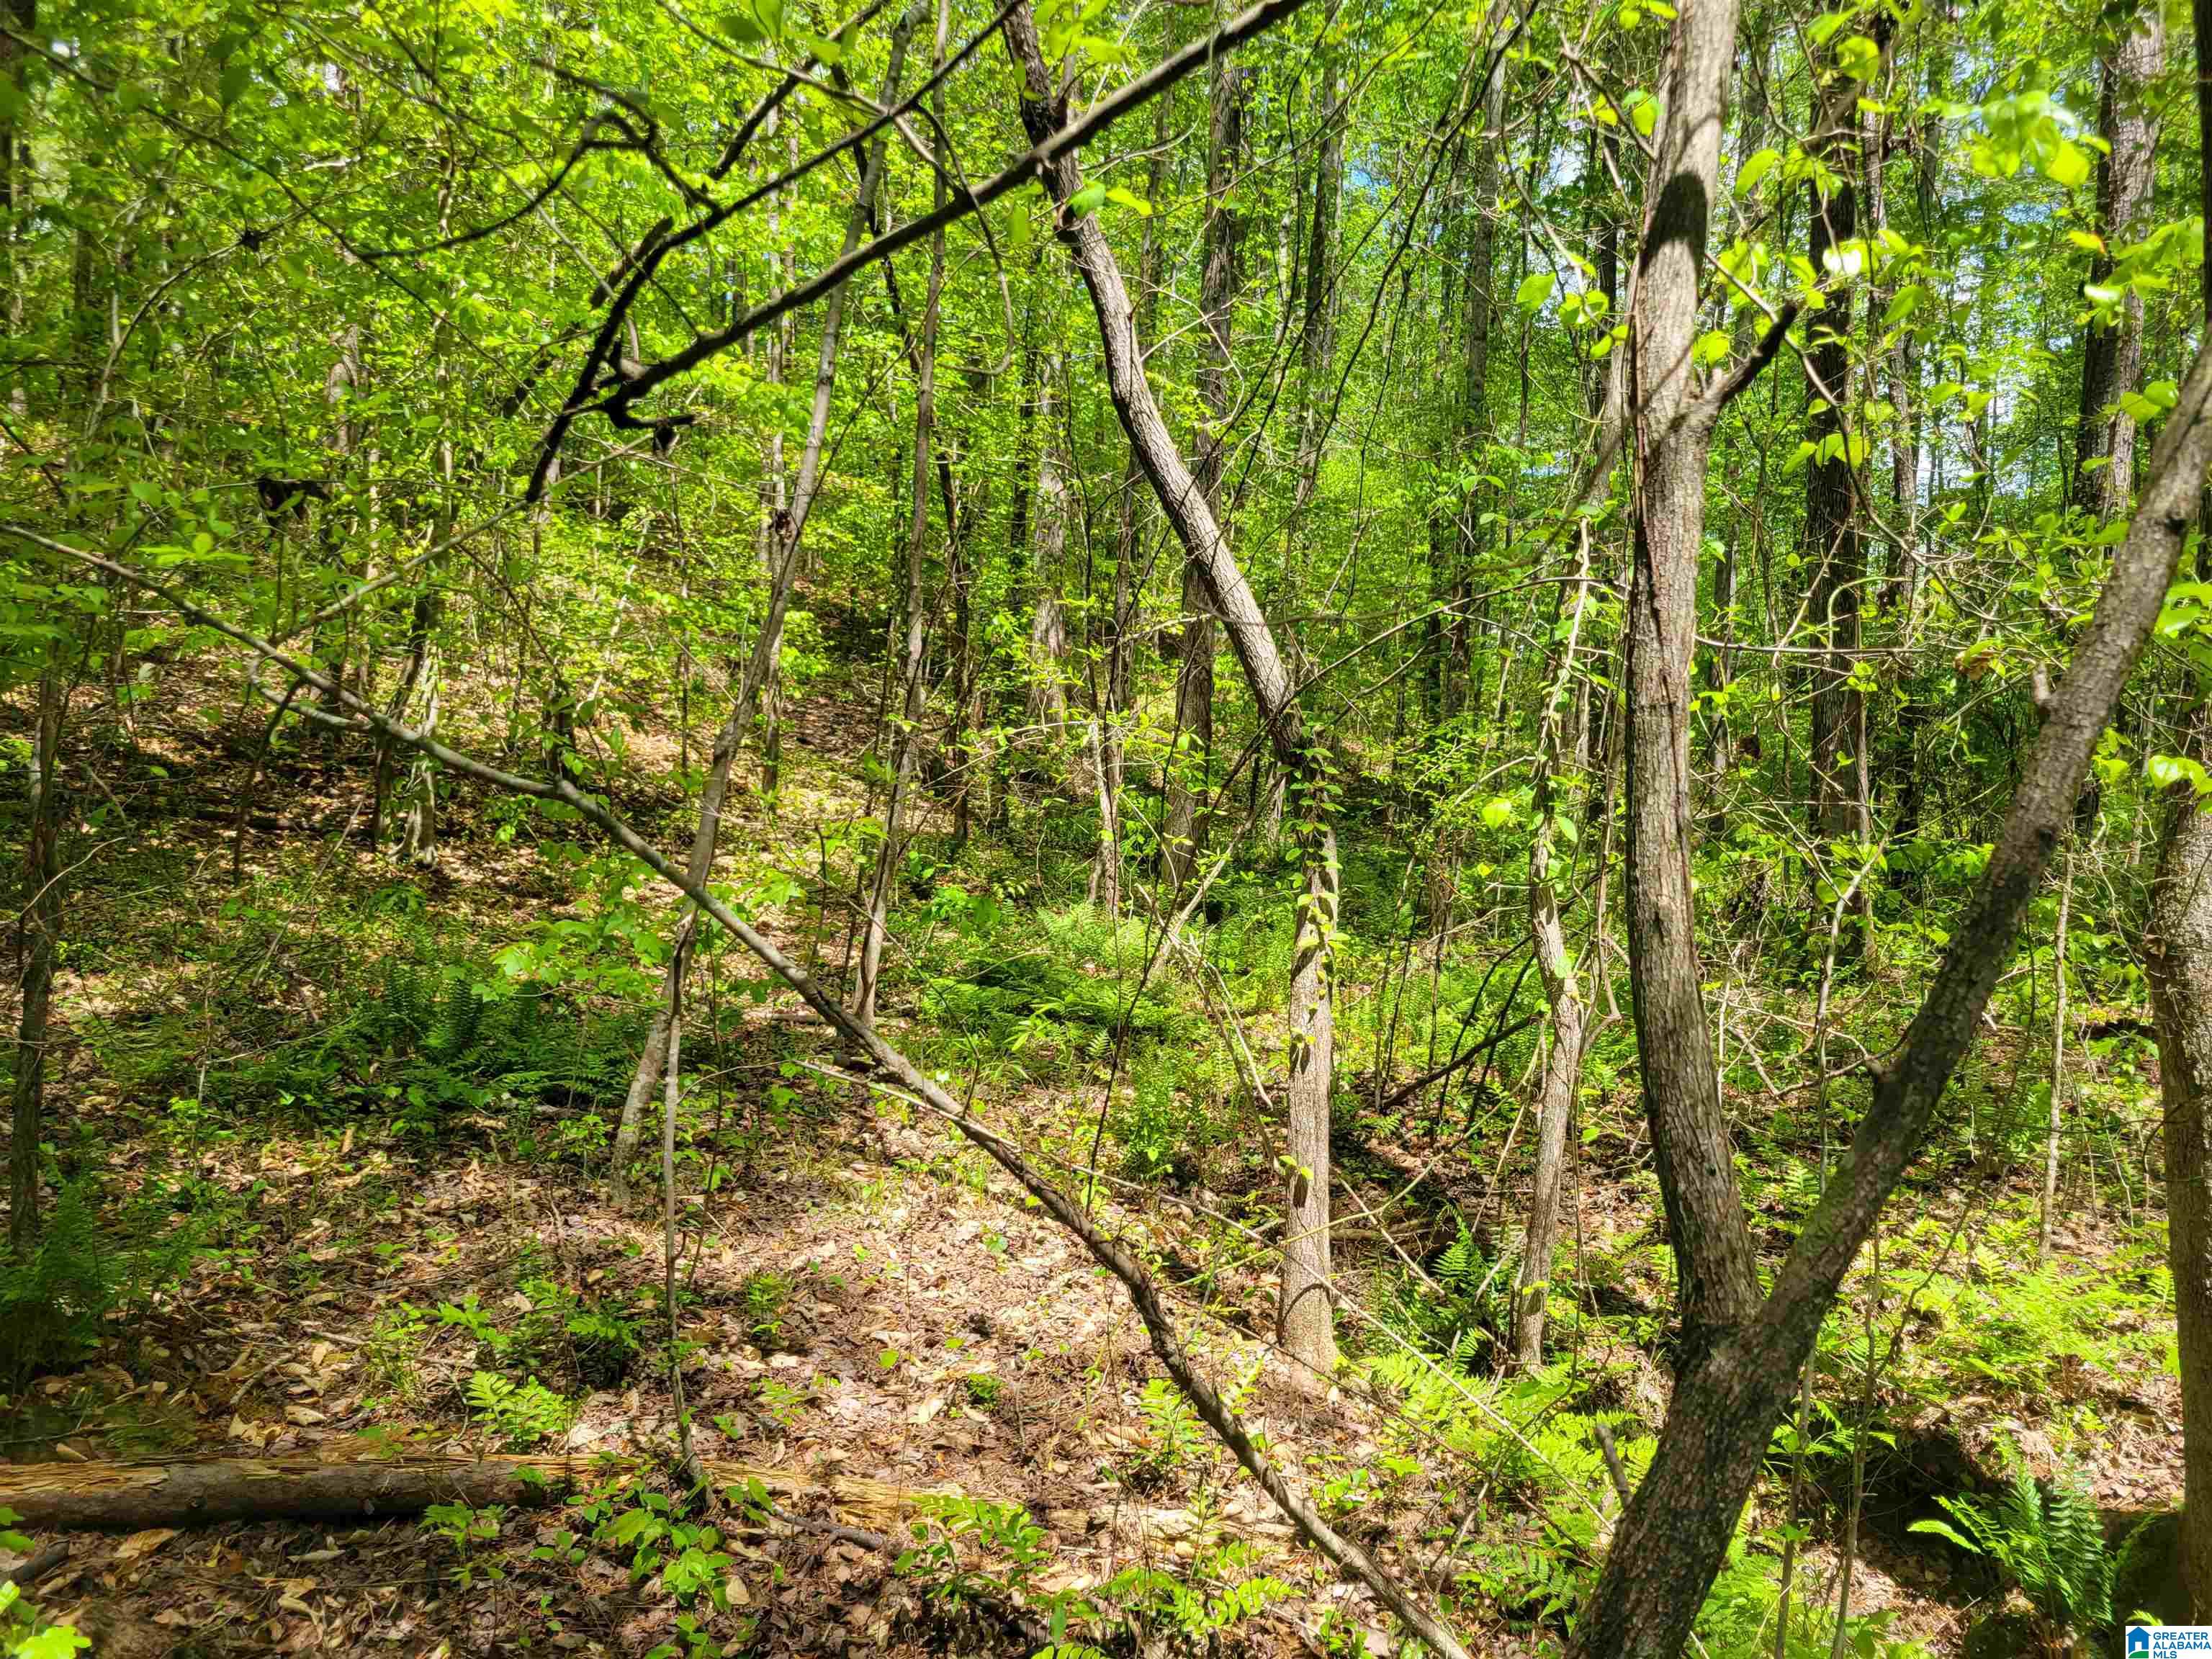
(1306, 1321)
(2111, 350)
(1739, 1351)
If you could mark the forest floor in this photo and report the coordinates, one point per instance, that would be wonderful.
(866, 1299)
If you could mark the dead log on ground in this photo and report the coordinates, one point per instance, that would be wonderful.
(202, 1491)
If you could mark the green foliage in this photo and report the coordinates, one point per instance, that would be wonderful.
(647, 1528)
(462, 1528)
(2046, 1537)
(390, 1357)
(1170, 1444)
(518, 1415)
(602, 1342)
(1462, 1309)
(956, 1529)
(766, 1295)
(88, 1268)
(25, 1633)
(1162, 1133)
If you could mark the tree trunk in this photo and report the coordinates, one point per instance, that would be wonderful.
(767, 640)
(1740, 1355)
(774, 487)
(1560, 738)
(1834, 545)
(906, 740)
(1894, 350)
(416, 703)
(208, 1492)
(15, 176)
(1306, 1329)
(1048, 704)
(1474, 412)
(1317, 327)
(2178, 953)
(2057, 1115)
(40, 941)
(2112, 358)
(1182, 836)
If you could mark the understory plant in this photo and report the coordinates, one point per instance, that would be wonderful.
(2046, 1539)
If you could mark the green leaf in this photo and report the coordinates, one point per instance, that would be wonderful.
(2067, 165)
(1086, 200)
(1535, 287)
(1756, 166)
(1859, 58)
(1943, 1529)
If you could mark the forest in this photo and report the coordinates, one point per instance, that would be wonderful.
(1096, 831)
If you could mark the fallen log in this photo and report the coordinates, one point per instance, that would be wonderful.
(130, 1497)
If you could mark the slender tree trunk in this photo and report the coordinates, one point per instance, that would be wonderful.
(415, 703)
(1559, 739)
(1182, 836)
(906, 743)
(2112, 358)
(1892, 347)
(1110, 699)
(774, 487)
(788, 530)
(1835, 546)
(39, 943)
(2177, 952)
(1306, 1322)
(343, 389)
(1720, 661)
(15, 175)
(1475, 418)
(1048, 706)
(1317, 327)
(2057, 1117)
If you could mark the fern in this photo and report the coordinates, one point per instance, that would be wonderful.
(2047, 1538)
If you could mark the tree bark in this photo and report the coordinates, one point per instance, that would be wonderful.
(1317, 327)
(1048, 704)
(15, 176)
(1895, 350)
(1475, 419)
(2112, 358)
(2177, 954)
(207, 1491)
(1307, 1327)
